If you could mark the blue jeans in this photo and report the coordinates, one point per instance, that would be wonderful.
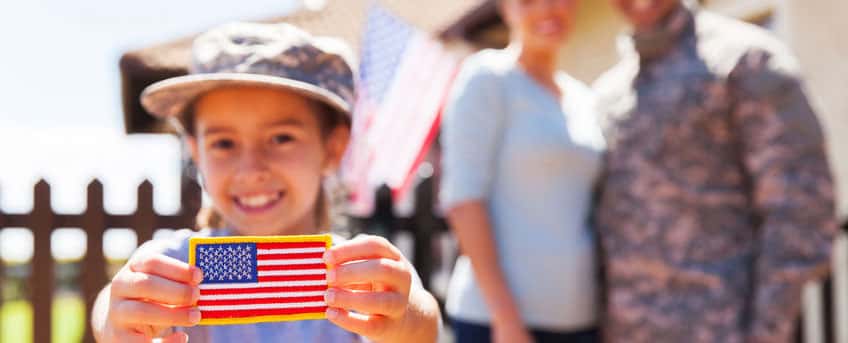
(466, 332)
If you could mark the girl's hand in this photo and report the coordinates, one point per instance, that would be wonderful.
(369, 276)
(149, 295)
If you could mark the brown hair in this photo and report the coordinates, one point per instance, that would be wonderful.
(208, 218)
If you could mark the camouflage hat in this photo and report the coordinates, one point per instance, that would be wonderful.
(268, 55)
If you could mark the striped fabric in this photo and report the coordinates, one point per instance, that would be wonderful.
(260, 279)
(404, 78)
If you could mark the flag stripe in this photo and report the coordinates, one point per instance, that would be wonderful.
(431, 135)
(256, 301)
(289, 262)
(261, 295)
(268, 279)
(242, 286)
(263, 306)
(293, 272)
(290, 251)
(263, 290)
(291, 245)
(292, 267)
(265, 257)
(253, 313)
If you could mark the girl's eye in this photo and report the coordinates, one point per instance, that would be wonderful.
(282, 138)
(223, 144)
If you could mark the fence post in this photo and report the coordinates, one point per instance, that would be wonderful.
(828, 309)
(425, 225)
(42, 276)
(144, 216)
(2, 267)
(93, 275)
(383, 221)
(191, 197)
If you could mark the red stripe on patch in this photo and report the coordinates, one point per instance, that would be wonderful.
(291, 245)
(259, 301)
(262, 290)
(265, 257)
(292, 267)
(253, 313)
(292, 278)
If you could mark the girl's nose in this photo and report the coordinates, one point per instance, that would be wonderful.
(254, 166)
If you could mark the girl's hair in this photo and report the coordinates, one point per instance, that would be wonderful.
(328, 119)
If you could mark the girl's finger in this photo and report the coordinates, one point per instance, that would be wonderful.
(394, 274)
(176, 337)
(132, 285)
(129, 337)
(362, 248)
(364, 286)
(167, 267)
(372, 327)
(389, 304)
(140, 313)
(138, 338)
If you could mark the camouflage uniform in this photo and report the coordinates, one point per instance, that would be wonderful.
(717, 202)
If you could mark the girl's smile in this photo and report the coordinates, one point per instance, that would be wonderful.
(258, 202)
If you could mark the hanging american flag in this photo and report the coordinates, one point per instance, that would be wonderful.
(260, 279)
(403, 80)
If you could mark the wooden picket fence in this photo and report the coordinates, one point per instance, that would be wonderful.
(424, 226)
(94, 221)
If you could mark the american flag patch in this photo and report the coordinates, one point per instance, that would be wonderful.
(260, 279)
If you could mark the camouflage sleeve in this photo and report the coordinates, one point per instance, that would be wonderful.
(791, 189)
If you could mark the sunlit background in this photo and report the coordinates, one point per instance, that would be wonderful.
(60, 116)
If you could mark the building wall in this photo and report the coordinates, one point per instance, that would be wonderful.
(591, 49)
(816, 30)
(750, 10)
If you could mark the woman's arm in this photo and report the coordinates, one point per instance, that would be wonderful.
(473, 131)
(470, 224)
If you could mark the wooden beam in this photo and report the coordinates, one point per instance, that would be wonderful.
(42, 278)
(93, 271)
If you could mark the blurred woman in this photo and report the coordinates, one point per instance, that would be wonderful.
(522, 150)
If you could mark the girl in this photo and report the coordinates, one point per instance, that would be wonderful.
(265, 116)
(521, 154)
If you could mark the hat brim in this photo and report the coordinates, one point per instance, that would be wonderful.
(170, 97)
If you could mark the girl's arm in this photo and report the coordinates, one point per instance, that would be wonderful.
(470, 224)
(421, 320)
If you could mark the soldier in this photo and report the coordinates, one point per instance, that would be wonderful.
(717, 203)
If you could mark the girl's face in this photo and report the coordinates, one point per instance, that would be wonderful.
(262, 155)
(540, 24)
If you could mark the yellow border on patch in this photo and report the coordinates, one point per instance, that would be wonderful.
(193, 242)
(263, 319)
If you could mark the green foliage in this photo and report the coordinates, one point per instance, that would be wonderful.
(69, 320)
